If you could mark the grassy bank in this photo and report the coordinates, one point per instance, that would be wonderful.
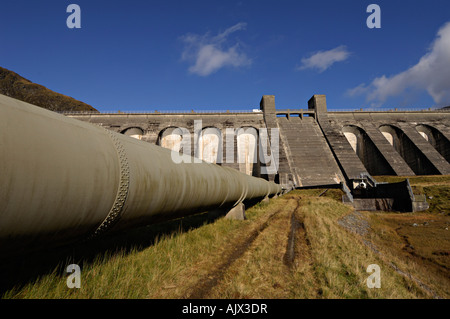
(305, 244)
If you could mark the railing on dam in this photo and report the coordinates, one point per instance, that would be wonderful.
(306, 112)
(161, 112)
(398, 110)
(372, 109)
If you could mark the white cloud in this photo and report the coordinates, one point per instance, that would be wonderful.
(431, 73)
(322, 60)
(207, 54)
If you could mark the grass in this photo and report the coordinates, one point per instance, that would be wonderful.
(419, 242)
(198, 258)
(133, 271)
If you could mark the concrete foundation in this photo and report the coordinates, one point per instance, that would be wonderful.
(236, 213)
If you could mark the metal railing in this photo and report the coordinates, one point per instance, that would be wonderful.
(157, 112)
(252, 111)
(294, 111)
(390, 110)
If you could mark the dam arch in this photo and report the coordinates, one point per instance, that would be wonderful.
(247, 142)
(436, 139)
(210, 145)
(175, 138)
(135, 132)
(367, 151)
(415, 159)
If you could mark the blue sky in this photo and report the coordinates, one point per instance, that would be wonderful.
(158, 55)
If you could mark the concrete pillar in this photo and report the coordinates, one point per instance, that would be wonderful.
(236, 212)
(318, 103)
(267, 104)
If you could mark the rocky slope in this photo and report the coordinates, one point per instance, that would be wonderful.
(13, 85)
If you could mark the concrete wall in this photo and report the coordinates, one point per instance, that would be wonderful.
(228, 139)
(396, 137)
(316, 146)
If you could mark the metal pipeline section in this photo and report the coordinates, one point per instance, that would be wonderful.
(64, 180)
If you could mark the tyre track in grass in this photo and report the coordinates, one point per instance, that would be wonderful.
(298, 248)
(207, 283)
(296, 227)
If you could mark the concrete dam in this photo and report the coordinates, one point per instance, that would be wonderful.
(316, 147)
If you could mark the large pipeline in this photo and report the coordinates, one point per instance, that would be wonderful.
(64, 180)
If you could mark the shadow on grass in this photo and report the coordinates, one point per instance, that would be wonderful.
(18, 271)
